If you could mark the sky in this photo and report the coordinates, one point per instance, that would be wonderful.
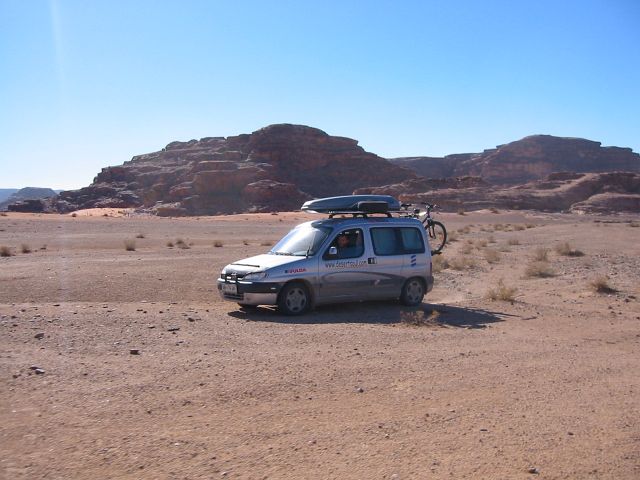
(89, 84)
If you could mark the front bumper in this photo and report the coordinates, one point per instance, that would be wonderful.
(249, 293)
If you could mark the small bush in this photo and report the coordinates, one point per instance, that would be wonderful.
(541, 254)
(218, 244)
(481, 243)
(464, 230)
(513, 241)
(452, 236)
(245, 242)
(498, 227)
(502, 292)
(601, 285)
(491, 255)
(466, 248)
(180, 243)
(24, 248)
(539, 269)
(462, 263)
(491, 239)
(567, 250)
(494, 210)
(170, 244)
(439, 263)
(140, 235)
(634, 224)
(74, 214)
(530, 225)
(3, 214)
(266, 243)
(43, 247)
(130, 245)
(419, 319)
(461, 212)
(5, 251)
(518, 228)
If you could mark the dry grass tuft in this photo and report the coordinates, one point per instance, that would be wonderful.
(494, 210)
(491, 255)
(567, 250)
(491, 239)
(502, 292)
(170, 244)
(519, 228)
(180, 243)
(24, 248)
(539, 269)
(140, 235)
(439, 263)
(218, 244)
(461, 212)
(464, 230)
(245, 242)
(462, 263)
(601, 285)
(481, 243)
(266, 243)
(466, 247)
(419, 319)
(634, 224)
(541, 254)
(513, 241)
(452, 236)
(130, 245)
(5, 251)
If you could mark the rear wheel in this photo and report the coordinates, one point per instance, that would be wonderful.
(412, 292)
(437, 236)
(294, 299)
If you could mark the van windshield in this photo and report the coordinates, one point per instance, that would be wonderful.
(301, 241)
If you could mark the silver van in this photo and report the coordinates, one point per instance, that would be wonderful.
(361, 257)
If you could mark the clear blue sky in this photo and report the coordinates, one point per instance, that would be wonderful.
(87, 84)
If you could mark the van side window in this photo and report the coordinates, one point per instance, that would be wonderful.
(348, 243)
(397, 241)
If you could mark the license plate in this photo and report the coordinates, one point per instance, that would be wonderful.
(230, 288)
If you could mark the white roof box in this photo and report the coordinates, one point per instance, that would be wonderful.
(353, 203)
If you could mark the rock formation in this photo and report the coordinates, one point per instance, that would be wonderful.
(23, 199)
(275, 168)
(531, 158)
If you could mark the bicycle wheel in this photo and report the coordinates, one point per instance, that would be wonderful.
(437, 236)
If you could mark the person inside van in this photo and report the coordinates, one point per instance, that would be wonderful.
(349, 245)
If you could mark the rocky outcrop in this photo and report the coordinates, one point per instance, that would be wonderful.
(275, 168)
(570, 191)
(531, 158)
(21, 200)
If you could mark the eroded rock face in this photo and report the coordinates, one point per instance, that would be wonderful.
(568, 191)
(275, 168)
(531, 158)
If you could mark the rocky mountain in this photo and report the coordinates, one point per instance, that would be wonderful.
(578, 192)
(531, 158)
(25, 196)
(275, 168)
(6, 193)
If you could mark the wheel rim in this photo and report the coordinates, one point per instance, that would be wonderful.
(414, 291)
(296, 300)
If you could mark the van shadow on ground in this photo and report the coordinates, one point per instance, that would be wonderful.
(434, 315)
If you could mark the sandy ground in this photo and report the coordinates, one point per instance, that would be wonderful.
(546, 386)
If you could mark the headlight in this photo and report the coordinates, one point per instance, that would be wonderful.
(252, 277)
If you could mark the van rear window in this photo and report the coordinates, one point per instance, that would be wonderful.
(397, 240)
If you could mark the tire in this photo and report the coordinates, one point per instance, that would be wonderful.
(294, 299)
(437, 236)
(412, 292)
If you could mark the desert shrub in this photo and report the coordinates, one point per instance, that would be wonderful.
(481, 243)
(419, 319)
(5, 251)
(170, 244)
(541, 254)
(491, 239)
(567, 250)
(130, 245)
(24, 248)
(539, 269)
(494, 210)
(601, 285)
(461, 212)
(74, 214)
(439, 263)
(634, 224)
(43, 247)
(218, 244)
(513, 241)
(266, 243)
(502, 292)
(180, 243)
(462, 263)
(140, 235)
(452, 236)
(466, 247)
(245, 242)
(464, 230)
(3, 214)
(530, 225)
(498, 227)
(491, 255)
(518, 228)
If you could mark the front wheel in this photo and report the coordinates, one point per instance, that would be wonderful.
(437, 236)
(294, 299)
(412, 292)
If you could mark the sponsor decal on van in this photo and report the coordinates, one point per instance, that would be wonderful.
(346, 264)
(295, 270)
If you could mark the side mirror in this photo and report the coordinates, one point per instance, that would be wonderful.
(333, 251)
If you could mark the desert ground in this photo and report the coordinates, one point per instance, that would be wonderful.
(542, 381)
